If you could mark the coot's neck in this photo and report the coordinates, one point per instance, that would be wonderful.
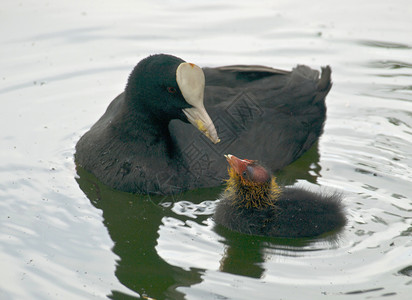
(139, 124)
(250, 195)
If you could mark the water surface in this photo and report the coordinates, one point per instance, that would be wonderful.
(66, 236)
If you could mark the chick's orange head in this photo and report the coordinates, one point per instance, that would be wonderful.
(248, 170)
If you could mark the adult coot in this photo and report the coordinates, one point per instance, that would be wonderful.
(141, 145)
(254, 204)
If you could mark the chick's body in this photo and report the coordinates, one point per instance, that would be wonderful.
(254, 204)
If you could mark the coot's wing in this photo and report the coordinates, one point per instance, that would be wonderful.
(261, 113)
(92, 145)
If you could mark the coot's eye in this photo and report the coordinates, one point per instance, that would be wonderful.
(244, 174)
(171, 89)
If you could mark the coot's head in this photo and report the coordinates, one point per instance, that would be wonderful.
(167, 88)
(250, 185)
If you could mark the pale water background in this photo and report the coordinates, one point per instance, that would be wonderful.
(61, 63)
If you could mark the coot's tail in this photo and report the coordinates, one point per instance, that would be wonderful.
(324, 84)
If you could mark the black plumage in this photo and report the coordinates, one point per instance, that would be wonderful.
(144, 144)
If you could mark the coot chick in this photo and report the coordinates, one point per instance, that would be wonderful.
(254, 204)
(158, 135)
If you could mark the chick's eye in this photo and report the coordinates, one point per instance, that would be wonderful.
(171, 89)
(244, 174)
